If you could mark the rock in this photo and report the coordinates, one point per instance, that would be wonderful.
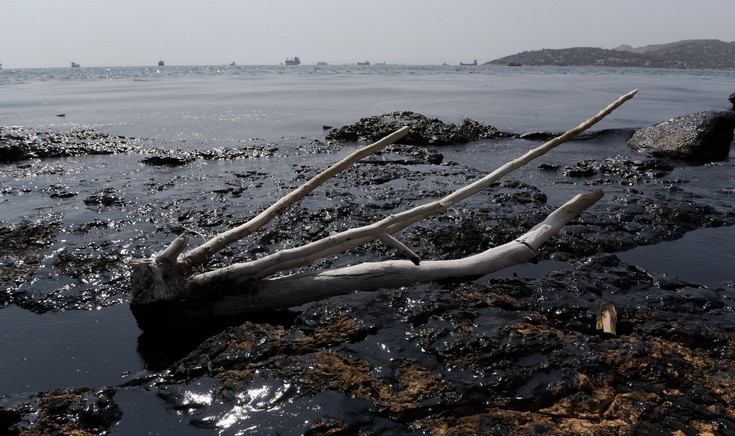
(582, 169)
(623, 133)
(72, 411)
(697, 137)
(23, 247)
(105, 197)
(511, 356)
(21, 143)
(167, 161)
(424, 130)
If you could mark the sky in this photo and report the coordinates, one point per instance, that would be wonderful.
(53, 33)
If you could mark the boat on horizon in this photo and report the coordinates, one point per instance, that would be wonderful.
(294, 61)
(160, 63)
(74, 65)
(471, 64)
(363, 63)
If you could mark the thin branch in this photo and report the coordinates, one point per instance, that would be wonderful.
(203, 252)
(398, 245)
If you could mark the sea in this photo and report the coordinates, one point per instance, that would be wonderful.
(220, 104)
(195, 107)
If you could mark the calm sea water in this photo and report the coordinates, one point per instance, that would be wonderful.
(214, 105)
(211, 106)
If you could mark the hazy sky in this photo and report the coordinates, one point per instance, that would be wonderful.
(52, 33)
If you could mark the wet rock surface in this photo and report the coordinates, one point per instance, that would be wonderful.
(697, 137)
(74, 411)
(508, 356)
(21, 143)
(23, 246)
(494, 356)
(424, 130)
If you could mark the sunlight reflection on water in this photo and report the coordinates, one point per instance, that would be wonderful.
(264, 397)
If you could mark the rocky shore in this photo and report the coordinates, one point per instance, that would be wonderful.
(515, 355)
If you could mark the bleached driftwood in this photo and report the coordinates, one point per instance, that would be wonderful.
(296, 289)
(173, 275)
(607, 317)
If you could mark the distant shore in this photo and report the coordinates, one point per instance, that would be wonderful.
(690, 54)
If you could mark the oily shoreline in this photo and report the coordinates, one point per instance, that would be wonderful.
(499, 355)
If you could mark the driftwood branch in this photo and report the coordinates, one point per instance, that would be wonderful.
(297, 289)
(171, 277)
(241, 273)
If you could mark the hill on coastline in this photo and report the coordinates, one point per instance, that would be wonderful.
(698, 54)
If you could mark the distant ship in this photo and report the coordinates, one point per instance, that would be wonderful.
(160, 63)
(321, 63)
(294, 61)
(74, 65)
(363, 63)
(471, 64)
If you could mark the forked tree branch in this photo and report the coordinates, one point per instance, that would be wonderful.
(305, 255)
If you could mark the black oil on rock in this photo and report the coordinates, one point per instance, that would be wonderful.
(493, 356)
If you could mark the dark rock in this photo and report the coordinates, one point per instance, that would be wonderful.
(619, 133)
(72, 411)
(405, 155)
(175, 158)
(623, 133)
(58, 191)
(538, 136)
(105, 197)
(23, 245)
(424, 130)
(168, 161)
(20, 143)
(697, 137)
(582, 169)
(548, 167)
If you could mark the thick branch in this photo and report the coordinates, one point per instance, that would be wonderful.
(296, 289)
